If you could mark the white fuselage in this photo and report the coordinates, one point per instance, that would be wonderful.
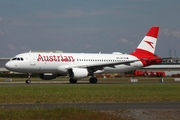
(60, 62)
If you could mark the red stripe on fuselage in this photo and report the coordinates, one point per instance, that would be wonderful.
(141, 53)
(146, 57)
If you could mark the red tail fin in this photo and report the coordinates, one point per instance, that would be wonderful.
(148, 44)
(146, 49)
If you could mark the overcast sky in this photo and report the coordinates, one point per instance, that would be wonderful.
(87, 25)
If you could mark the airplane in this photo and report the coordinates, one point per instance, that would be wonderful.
(82, 65)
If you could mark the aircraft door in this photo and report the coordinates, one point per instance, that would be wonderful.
(32, 60)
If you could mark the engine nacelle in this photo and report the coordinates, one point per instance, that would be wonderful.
(48, 76)
(76, 73)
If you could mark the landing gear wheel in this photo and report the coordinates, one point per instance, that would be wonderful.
(93, 80)
(73, 80)
(28, 81)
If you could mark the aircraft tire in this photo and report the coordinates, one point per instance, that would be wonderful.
(28, 81)
(73, 80)
(93, 80)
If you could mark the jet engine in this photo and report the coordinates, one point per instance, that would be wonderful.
(48, 76)
(76, 73)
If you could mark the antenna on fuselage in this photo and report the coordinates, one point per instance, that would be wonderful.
(30, 51)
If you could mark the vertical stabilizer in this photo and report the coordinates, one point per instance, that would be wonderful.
(148, 44)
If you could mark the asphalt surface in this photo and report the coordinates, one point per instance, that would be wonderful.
(100, 106)
(116, 81)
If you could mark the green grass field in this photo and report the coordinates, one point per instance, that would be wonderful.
(83, 92)
(89, 93)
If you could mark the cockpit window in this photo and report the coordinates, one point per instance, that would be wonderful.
(13, 58)
(18, 59)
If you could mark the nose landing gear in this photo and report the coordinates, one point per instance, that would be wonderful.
(28, 81)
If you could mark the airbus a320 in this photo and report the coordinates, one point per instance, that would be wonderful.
(82, 65)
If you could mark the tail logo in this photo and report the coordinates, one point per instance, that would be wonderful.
(150, 43)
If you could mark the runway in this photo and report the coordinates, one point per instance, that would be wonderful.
(116, 81)
(100, 106)
(123, 80)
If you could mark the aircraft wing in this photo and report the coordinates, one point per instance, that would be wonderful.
(98, 66)
(101, 66)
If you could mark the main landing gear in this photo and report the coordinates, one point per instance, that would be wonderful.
(91, 80)
(28, 81)
(73, 80)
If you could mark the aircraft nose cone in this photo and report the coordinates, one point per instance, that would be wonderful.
(9, 65)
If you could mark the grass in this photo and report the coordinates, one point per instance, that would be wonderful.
(57, 114)
(58, 93)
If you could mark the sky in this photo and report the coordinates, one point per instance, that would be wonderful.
(87, 26)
